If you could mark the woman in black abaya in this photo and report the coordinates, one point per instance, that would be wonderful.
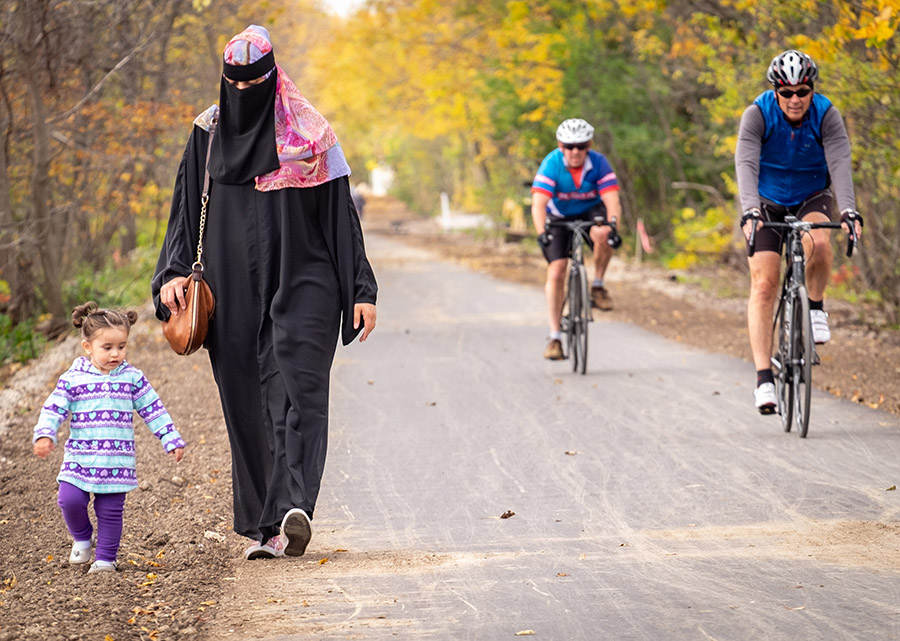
(283, 253)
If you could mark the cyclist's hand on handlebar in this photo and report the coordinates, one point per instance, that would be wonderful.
(544, 238)
(849, 216)
(614, 240)
(751, 214)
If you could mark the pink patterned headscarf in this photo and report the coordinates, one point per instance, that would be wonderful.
(308, 150)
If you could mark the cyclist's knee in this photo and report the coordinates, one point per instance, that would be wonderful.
(556, 271)
(818, 245)
(600, 233)
(764, 288)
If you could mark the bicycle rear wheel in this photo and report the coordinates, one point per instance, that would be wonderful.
(802, 361)
(781, 364)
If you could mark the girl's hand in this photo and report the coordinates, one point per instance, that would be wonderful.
(172, 294)
(177, 453)
(43, 446)
(367, 312)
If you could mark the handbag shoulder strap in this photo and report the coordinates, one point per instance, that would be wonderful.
(204, 197)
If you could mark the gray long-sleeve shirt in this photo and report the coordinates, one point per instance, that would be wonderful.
(837, 156)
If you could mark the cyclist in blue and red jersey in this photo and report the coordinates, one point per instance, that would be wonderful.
(574, 182)
(792, 158)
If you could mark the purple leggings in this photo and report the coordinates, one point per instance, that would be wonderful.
(109, 508)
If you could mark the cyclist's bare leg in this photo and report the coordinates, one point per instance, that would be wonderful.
(819, 256)
(555, 290)
(602, 251)
(765, 269)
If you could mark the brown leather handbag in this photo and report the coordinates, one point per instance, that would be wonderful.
(187, 331)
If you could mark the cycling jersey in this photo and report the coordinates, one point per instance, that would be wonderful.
(792, 163)
(573, 195)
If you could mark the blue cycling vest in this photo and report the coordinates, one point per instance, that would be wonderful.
(792, 163)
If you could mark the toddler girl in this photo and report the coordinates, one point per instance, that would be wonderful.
(100, 391)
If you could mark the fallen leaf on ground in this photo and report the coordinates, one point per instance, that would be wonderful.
(507, 514)
(891, 488)
(323, 561)
(571, 452)
(525, 633)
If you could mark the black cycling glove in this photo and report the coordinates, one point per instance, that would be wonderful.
(545, 238)
(852, 215)
(614, 240)
(753, 212)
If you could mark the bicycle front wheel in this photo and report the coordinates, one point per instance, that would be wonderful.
(802, 361)
(579, 308)
(781, 363)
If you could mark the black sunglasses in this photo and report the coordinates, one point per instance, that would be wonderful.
(582, 146)
(787, 94)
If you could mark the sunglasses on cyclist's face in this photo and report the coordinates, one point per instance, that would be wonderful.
(787, 94)
(581, 146)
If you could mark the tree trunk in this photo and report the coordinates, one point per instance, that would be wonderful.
(49, 245)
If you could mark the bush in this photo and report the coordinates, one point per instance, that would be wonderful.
(19, 343)
(702, 239)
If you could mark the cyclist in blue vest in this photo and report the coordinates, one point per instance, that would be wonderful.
(574, 182)
(792, 158)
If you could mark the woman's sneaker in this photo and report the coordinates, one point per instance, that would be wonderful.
(766, 401)
(297, 528)
(271, 549)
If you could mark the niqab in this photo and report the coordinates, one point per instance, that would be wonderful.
(244, 145)
(306, 151)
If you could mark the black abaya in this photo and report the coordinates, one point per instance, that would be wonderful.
(285, 266)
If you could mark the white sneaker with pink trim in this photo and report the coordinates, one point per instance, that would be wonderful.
(271, 549)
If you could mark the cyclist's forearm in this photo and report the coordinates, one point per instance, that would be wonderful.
(539, 202)
(746, 157)
(837, 155)
(613, 205)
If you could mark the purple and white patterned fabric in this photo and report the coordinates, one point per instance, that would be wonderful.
(99, 453)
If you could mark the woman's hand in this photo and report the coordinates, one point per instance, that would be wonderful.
(366, 311)
(172, 294)
(43, 446)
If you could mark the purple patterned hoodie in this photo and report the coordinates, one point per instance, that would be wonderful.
(99, 454)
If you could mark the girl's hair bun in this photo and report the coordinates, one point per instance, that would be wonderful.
(82, 311)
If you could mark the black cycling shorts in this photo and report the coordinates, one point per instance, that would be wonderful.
(561, 244)
(772, 240)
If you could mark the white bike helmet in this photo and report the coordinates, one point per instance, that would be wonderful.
(792, 68)
(574, 131)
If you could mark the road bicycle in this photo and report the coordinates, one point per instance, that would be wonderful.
(577, 303)
(795, 355)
